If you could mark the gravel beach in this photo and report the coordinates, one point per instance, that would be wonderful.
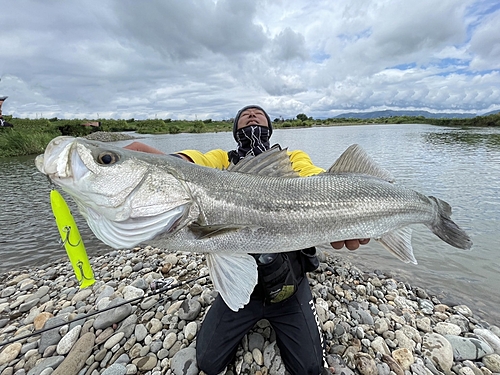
(372, 323)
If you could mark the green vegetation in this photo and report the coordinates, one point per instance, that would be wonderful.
(29, 137)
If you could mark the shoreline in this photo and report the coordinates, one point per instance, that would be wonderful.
(372, 323)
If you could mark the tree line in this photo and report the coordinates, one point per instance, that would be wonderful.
(31, 136)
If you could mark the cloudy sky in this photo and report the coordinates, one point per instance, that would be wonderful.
(199, 59)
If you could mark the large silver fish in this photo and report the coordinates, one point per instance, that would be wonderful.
(258, 206)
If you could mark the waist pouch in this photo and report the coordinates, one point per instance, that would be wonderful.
(278, 278)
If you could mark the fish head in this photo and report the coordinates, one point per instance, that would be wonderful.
(126, 197)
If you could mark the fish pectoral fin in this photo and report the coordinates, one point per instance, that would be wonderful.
(234, 277)
(274, 162)
(398, 243)
(208, 231)
(356, 160)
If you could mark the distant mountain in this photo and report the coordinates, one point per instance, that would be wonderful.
(390, 113)
(491, 112)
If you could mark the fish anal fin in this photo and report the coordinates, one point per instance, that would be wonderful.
(398, 243)
(234, 277)
(355, 160)
(274, 162)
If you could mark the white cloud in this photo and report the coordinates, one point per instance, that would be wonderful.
(207, 58)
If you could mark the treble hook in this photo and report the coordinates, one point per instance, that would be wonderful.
(80, 267)
(67, 230)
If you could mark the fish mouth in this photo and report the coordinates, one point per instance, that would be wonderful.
(61, 161)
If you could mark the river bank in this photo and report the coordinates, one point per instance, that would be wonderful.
(372, 323)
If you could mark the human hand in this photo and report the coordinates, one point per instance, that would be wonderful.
(350, 244)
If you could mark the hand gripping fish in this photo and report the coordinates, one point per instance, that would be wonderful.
(259, 205)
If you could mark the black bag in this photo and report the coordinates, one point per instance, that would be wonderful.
(277, 276)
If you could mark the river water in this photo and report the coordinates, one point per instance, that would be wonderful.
(460, 166)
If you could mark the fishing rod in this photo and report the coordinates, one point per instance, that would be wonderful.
(157, 287)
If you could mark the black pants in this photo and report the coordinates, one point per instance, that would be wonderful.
(294, 321)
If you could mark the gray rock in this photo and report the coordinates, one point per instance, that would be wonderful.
(28, 305)
(128, 325)
(52, 362)
(140, 332)
(255, 341)
(50, 337)
(115, 369)
(184, 362)
(492, 339)
(116, 315)
(468, 348)
(189, 309)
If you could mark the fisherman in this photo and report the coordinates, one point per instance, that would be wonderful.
(282, 295)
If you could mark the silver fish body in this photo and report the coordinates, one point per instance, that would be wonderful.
(258, 206)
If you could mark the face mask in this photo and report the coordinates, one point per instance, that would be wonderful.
(252, 140)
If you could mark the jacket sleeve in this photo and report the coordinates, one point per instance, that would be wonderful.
(302, 163)
(215, 158)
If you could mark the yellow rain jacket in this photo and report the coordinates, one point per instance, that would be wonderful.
(301, 162)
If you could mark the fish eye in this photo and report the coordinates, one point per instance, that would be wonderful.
(107, 158)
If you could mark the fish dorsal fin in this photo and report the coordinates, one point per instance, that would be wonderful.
(356, 160)
(234, 277)
(274, 162)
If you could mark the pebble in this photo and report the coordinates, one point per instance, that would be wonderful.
(372, 323)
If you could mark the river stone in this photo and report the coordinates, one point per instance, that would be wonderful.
(42, 291)
(113, 340)
(438, 350)
(76, 358)
(190, 330)
(393, 365)
(81, 295)
(115, 369)
(184, 362)
(444, 328)
(105, 291)
(50, 337)
(10, 353)
(380, 346)
(104, 335)
(492, 362)
(170, 340)
(128, 325)
(492, 339)
(116, 315)
(130, 292)
(154, 326)
(404, 341)
(146, 363)
(463, 310)
(46, 363)
(26, 306)
(7, 292)
(189, 309)
(140, 332)
(403, 357)
(68, 341)
(365, 364)
(468, 348)
(381, 325)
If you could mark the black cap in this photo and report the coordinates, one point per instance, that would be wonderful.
(235, 124)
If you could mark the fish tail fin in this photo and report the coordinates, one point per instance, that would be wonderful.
(446, 229)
